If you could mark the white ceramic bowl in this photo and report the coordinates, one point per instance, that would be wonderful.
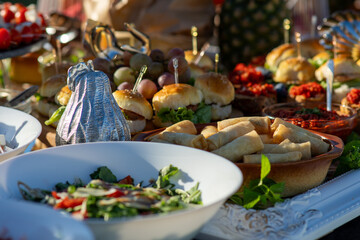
(23, 126)
(27, 220)
(218, 178)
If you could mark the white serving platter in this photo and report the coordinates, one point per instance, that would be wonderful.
(310, 215)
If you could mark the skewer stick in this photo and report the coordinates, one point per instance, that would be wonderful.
(176, 71)
(313, 25)
(334, 42)
(201, 54)
(298, 41)
(194, 35)
(286, 25)
(216, 63)
(139, 78)
(58, 48)
(55, 61)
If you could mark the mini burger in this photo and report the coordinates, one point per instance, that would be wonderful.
(136, 109)
(218, 92)
(296, 70)
(346, 76)
(46, 103)
(178, 102)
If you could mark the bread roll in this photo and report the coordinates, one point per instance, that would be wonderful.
(244, 145)
(228, 134)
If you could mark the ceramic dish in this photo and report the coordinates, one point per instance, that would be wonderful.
(218, 180)
(26, 220)
(298, 176)
(341, 127)
(20, 130)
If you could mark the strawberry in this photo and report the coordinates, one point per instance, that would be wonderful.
(20, 16)
(36, 30)
(4, 39)
(8, 15)
(15, 37)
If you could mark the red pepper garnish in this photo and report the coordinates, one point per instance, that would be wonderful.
(353, 96)
(127, 180)
(55, 195)
(116, 194)
(69, 202)
(307, 90)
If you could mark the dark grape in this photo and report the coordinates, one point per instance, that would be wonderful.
(155, 70)
(182, 65)
(166, 79)
(157, 55)
(138, 60)
(174, 52)
(125, 85)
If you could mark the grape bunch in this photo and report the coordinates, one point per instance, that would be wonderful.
(160, 70)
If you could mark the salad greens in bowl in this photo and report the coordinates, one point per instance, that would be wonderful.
(125, 190)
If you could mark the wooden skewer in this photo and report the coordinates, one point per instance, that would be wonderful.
(298, 41)
(194, 35)
(286, 25)
(334, 42)
(216, 63)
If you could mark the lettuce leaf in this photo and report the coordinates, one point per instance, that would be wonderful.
(202, 114)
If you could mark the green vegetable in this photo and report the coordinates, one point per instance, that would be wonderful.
(202, 114)
(56, 115)
(104, 173)
(350, 158)
(317, 63)
(309, 111)
(261, 193)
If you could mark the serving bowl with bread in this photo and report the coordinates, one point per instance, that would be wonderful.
(298, 157)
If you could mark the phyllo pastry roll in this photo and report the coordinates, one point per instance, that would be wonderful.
(274, 157)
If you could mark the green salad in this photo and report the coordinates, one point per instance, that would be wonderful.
(106, 197)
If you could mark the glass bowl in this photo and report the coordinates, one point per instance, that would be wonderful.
(8, 94)
(341, 127)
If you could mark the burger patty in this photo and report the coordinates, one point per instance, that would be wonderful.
(130, 115)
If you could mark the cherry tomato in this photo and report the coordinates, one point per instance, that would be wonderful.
(5, 39)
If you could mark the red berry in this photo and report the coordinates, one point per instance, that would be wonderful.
(4, 39)
(8, 15)
(15, 36)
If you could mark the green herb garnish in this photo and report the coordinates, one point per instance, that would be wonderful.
(104, 173)
(261, 193)
(309, 111)
(350, 158)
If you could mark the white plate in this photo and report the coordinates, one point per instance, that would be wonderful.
(306, 216)
(218, 179)
(27, 220)
(23, 126)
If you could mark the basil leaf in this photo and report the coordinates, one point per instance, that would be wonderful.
(265, 168)
(104, 173)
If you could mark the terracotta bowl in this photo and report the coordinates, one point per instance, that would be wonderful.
(298, 176)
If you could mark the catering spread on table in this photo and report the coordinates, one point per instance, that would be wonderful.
(229, 139)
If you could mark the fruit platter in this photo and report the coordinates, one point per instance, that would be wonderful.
(217, 120)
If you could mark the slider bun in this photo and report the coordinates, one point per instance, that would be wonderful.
(136, 125)
(49, 70)
(278, 54)
(311, 47)
(63, 96)
(345, 69)
(216, 88)
(135, 102)
(322, 55)
(294, 70)
(45, 108)
(205, 61)
(52, 85)
(220, 112)
(175, 95)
